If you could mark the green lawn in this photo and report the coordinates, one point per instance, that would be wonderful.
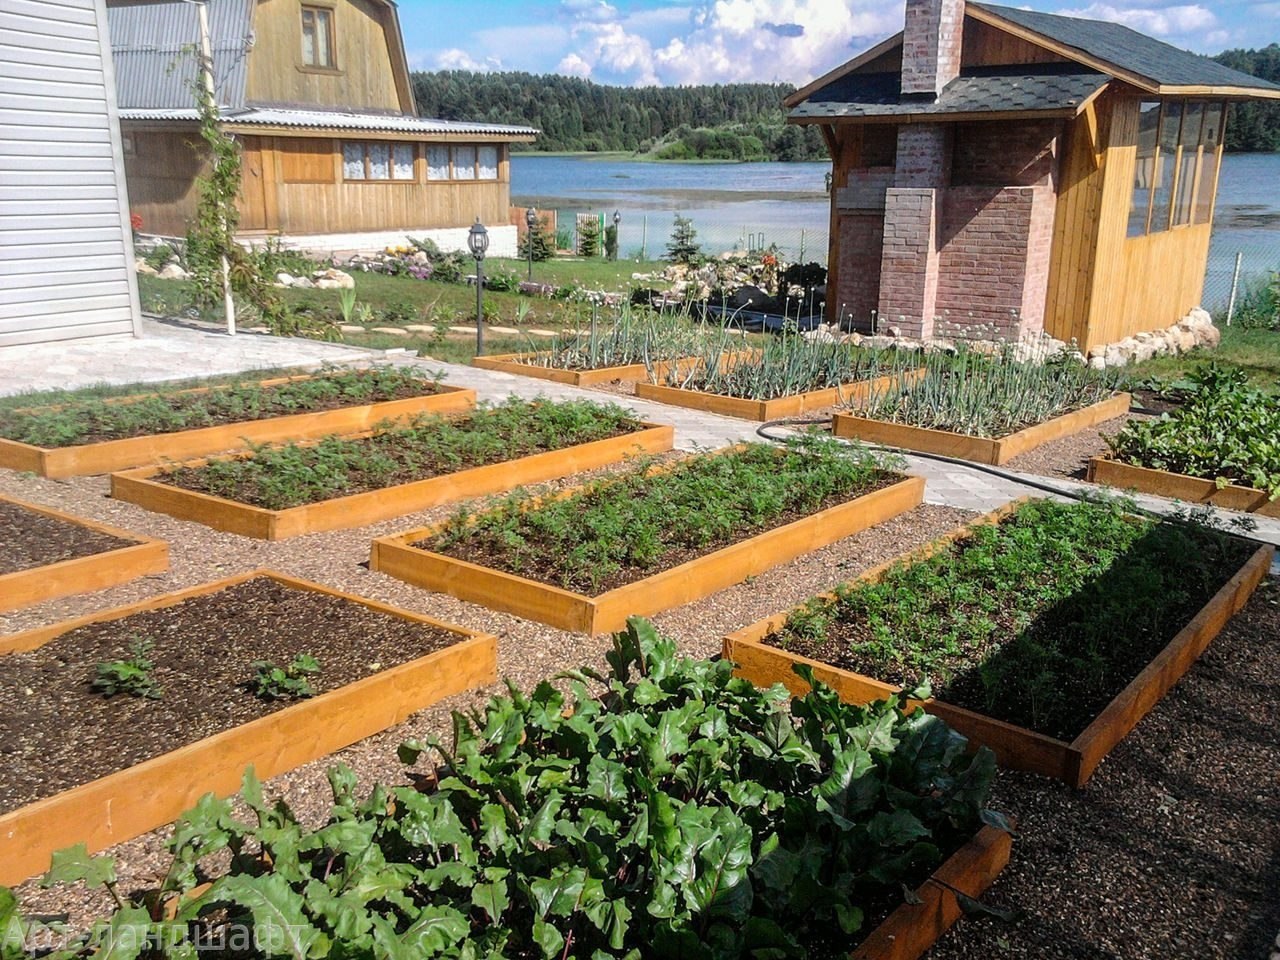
(1257, 352)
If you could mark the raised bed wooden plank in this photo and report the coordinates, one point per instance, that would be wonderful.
(908, 932)
(93, 458)
(1179, 486)
(81, 574)
(685, 583)
(140, 487)
(148, 795)
(518, 363)
(1015, 747)
(776, 409)
(978, 449)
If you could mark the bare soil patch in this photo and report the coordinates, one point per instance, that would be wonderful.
(29, 539)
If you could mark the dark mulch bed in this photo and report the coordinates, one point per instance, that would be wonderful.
(484, 555)
(1173, 849)
(56, 733)
(29, 539)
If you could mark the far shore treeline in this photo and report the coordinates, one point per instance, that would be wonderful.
(735, 121)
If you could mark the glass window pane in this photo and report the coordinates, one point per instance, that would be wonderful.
(1144, 175)
(1189, 142)
(402, 161)
(1211, 137)
(1166, 157)
(324, 38)
(437, 163)
(353, 161)
(379, 161)
(488, 163)
(308, 37)
(464, 163)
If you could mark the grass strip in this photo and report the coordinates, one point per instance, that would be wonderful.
(990, 397)
(616, 530)
(89, 418)
(292, 474)
(1038, 621)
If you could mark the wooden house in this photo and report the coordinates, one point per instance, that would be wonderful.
(319, 95)
(999, 172)
(66, 256)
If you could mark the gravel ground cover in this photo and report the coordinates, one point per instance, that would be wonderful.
(29, 539)
(59, 732)
(1173, 850)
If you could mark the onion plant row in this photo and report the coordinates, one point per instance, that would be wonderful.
(662, 809)
(983, 396)
(617, 529)
(292, 474)
(93, 418)
(1038, 621)
(1225, 431)
(627, 338)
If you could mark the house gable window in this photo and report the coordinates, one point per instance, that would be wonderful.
(379, 161)
(462, 163)
(1177, 165)
(317, 38)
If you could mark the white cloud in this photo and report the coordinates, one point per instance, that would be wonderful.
(1157, 21)
(456, 59)
(574, 66)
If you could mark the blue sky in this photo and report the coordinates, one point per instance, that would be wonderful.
(684, 41)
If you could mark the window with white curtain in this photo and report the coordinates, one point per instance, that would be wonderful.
(378, 160)
(487, 163)
(464, 163)
(353, 161)
(402, 161)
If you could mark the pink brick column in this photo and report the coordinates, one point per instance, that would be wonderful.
(931, 44)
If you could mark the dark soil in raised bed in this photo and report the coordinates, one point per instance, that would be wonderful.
(56, 733)
(482, 555)
(29, 539)
(1172, 851)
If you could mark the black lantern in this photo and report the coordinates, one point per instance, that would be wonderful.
(617, 242)
(530, 221)
(478, 243)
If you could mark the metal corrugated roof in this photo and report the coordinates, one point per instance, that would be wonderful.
(151, 45)
(334, 120)
(1122, 47)
(1020, 89)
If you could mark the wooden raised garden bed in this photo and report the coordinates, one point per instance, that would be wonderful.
(518, 363)
(398, 556)
(103, 457)
(1015, 747)
(147, 794)
(141, 487)
(104, 557)
(979, 449)
(777, 408)
(1180, 486)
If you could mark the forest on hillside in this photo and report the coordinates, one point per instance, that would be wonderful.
(735, 121)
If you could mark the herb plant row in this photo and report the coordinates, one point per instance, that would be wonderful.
(664, 810)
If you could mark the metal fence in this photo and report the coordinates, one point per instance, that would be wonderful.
(1258, 255)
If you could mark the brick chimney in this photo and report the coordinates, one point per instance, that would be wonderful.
(931, 43)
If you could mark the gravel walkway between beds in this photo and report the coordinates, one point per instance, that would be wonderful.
(1069, 457)
(528, 652)
(1172, 850)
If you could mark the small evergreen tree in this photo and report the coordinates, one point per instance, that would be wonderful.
(611, 242)
(544, 244)
(683, 246)
(589, 238)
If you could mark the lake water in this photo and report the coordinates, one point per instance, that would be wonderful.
(746, 205)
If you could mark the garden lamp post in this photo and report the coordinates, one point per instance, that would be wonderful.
(530, 221)
(478, 243)
(617, 242)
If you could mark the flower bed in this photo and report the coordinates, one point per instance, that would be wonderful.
(87, 767)
(277, 492)
(1219, 448)
(651, 540)
(983, 409)
(1046, 631)
(93, 435)
(46, 554)
(679, 812)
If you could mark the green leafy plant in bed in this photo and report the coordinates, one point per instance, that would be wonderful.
(627, 338)
(292, 474)
(1038, 621)
(131, 676)
(290, 682)
(666, 809)
(784, 366)
(1226, 431)
(618, 527)
(80, 420)
(985, 396)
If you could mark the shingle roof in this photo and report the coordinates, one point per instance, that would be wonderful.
(335, 120)
(1007, 90)
(1129, 50)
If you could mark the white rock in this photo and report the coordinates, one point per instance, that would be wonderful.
(172, 271)
(303, 283)
(350, 328)
(1209, 336)
(284, 279)
(334, 279)
(144, 269)
(390, 331)
(1098, 362)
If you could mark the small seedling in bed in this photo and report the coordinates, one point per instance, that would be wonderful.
(271, 682)
(131, 676)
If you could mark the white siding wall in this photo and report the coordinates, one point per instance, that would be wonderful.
(66, 261)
